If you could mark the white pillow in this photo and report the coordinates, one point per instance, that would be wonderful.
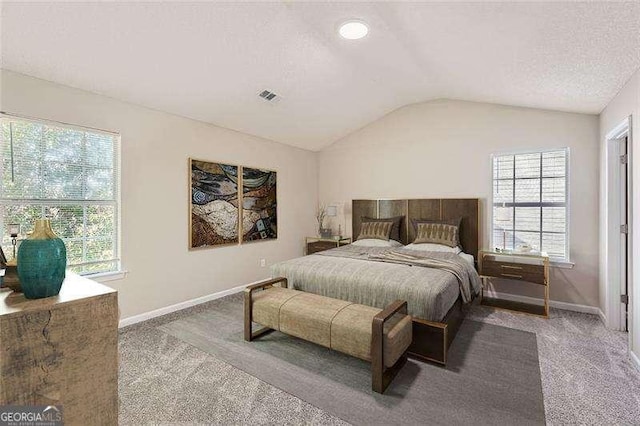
(433, 247)
(371, 242)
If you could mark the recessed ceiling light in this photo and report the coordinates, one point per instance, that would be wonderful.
(353, 30)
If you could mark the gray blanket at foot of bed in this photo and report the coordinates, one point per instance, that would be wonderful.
(430, 282)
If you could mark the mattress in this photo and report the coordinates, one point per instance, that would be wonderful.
(347, 273)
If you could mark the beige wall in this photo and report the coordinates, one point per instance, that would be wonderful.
(443, 149)
(625, 104)
(434, 149)
(155, 148)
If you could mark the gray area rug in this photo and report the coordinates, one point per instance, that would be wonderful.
(493, 374)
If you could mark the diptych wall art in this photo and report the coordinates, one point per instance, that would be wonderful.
(259, 207)
(214, 204)
(217, 192)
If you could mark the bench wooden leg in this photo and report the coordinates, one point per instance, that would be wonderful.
(381, 377)
(249, 335)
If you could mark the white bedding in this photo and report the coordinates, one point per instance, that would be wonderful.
(433, 247)
(467, 257)
(370, 242)
(441, 248)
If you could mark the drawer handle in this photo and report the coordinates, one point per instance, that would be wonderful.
(519, 268)
(512, 275)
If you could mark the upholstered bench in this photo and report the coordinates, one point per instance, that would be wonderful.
(380, 336)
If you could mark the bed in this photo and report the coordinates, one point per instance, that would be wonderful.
(435, 285)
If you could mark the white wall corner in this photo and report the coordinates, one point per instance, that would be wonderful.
(602, 316)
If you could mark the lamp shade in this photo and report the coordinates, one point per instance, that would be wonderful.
(14, 229)
(332, 211)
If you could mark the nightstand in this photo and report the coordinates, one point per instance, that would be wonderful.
(316, 244)
(523, 267)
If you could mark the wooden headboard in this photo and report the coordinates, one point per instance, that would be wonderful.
(426, 208)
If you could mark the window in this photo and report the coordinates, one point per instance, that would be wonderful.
(68, 175)
(530, 193)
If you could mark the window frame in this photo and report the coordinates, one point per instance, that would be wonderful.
(118, 271)
(557, 261)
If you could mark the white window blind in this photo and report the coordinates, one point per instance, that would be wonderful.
(530, 193)
(68, 175)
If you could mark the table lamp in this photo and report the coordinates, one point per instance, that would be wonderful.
(332, 211)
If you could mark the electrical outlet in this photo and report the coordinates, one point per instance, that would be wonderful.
(263, 263)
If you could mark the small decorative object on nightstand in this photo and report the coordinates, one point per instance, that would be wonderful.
(316, 244)
(526, 267)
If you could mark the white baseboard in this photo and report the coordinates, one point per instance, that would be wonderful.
(602, 316)
(552, 303)
(179, 306)
(203, 299)
(635, 360)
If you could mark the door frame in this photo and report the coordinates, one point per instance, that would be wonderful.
(614, 313)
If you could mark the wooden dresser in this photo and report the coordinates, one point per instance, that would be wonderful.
(316, 244)
(521, 267)
(62, 351)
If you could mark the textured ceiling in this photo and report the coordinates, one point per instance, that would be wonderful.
(208, 61)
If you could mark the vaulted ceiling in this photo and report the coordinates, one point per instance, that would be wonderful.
(209, 61)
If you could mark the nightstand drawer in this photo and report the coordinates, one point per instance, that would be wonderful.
(317, 246)
(513, 271)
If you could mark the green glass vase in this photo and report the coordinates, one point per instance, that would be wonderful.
(42, 262)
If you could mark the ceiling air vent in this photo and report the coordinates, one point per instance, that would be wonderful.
(268, 96)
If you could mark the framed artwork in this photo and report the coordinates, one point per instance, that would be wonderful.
(214, 214)
(259, 205)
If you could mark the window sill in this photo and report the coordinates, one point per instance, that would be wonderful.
(107, 276)
(561, 264)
